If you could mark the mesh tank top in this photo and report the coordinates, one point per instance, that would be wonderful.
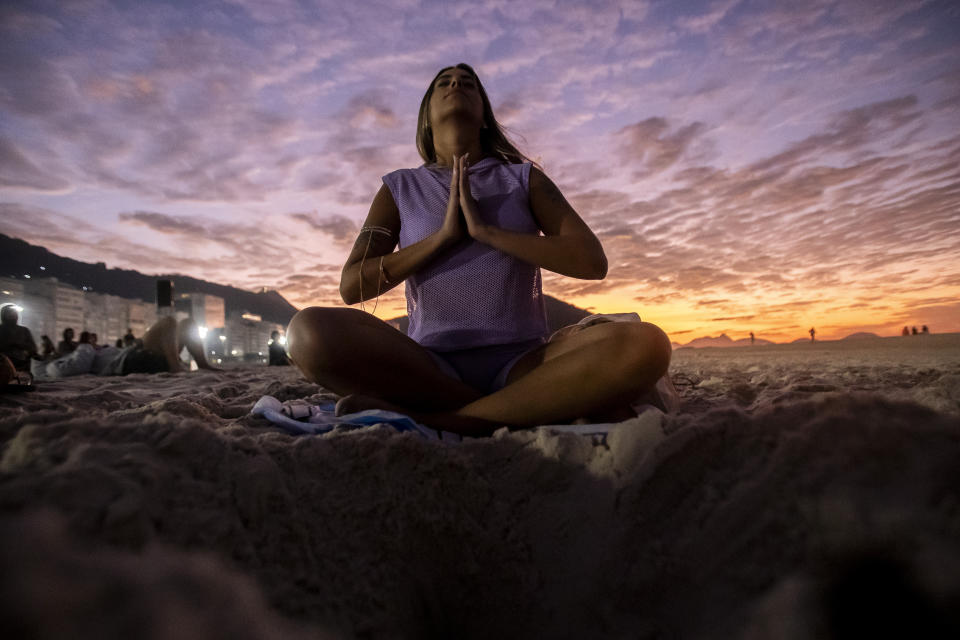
(472, 295)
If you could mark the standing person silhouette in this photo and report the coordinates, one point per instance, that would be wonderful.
(278, 356)
(813, 333)
(474, 226)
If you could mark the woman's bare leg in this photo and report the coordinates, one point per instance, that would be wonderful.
(167, 337)
(596, 370)
(188, 335)
(161, 338)
(352, 352)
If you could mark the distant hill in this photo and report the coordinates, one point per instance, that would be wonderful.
(18, 258)
(861, 335)
(559, 314)
(723, 340)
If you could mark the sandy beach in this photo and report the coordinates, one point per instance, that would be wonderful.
(801, 491)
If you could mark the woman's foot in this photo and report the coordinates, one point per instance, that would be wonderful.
(444, 420)
(356, 402)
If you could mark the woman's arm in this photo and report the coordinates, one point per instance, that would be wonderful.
(372, 245)
(568, 246)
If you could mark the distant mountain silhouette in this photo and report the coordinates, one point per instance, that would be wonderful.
(723, 340)
(559, 314)
(861, 335)
(19, 258)
(757, 342)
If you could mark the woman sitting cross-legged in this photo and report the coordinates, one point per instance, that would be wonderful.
(474, 225)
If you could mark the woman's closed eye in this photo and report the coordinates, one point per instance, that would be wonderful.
(443, 82)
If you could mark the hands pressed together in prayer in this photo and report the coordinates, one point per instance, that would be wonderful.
(463, 215)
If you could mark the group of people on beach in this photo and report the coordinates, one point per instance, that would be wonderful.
(152, 353)
(18, 346)
(157, 351)
(912, 331)
(467, 232)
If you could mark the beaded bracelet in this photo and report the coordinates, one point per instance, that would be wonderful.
(372, 229)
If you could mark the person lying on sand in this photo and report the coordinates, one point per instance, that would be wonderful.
(474, 226)
(157, 352)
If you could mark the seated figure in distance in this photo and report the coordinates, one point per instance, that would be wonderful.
(68, 344)
(16, 341)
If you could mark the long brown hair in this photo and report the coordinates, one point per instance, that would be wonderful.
(493, 140)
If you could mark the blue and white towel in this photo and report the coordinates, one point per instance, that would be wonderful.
(301, 418)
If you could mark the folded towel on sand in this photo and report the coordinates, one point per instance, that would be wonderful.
(301, 418)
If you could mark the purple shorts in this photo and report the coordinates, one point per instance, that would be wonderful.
(484, 368)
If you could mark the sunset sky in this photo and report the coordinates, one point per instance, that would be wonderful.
(748, 165)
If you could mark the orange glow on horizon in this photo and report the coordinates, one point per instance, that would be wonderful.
(684, 319)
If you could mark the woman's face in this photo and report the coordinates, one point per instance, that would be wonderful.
(455, 91)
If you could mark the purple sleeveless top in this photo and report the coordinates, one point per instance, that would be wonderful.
(472, 295)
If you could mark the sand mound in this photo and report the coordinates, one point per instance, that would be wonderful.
(751, 513)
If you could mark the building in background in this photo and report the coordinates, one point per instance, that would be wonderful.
(106, 315)
(36, 311)
(140, 316)
(248, 336)
(207, 310)
(11, 291)
(50, 306)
